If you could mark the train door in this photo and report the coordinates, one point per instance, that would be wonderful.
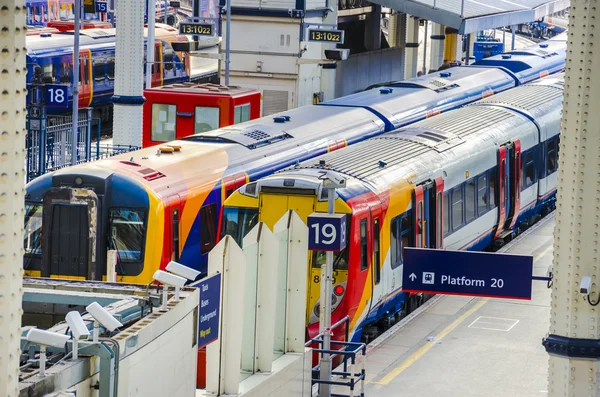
(515, 184)
(436, 214)
(428, 198)
(157, 67)
(505, 153)
(174, 213)
(86, 88)
(377, 260)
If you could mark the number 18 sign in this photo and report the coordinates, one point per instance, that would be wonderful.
(326, 232)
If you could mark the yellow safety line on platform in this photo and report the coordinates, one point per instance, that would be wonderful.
(423, 349)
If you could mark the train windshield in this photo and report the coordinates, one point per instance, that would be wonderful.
(127, 233)
(340, 259)
(33, 229)
(237, 222)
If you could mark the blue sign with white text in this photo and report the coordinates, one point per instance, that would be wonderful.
(208, 315)
(57, 95)
(494, 275)
(326, 232)
(101, 6)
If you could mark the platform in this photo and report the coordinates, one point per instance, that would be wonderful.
(461, 346)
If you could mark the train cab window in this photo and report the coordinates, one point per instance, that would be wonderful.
(208, 227)
(492, 178)
(65, 72)
(528, 169)
(110, 68)
(470, 200)
(376, 251)
(241, 113)
(457, 207)
(482, 196)
(168, 58)
(48, 73)
(126, 233)
(446, 213)
(237, 222)
(164, 120)
(206, 119)
(99, 74)
(551, 156)
(32, 241)
(364, 247)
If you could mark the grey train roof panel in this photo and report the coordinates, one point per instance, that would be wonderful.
(477, 14)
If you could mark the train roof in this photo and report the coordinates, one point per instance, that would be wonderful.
(441, 140)
(206, 88)
(404, 102)
(255, 145)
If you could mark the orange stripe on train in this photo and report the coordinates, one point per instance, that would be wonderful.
(487, 93)
(337, 144)
(432, 113)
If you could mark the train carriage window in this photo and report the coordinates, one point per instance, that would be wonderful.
(48, 75)
(376, 251)
(457, 207)
(65, 72)
(395, 242)
(168, 58)
(364, 251)
(405, 233)
(241, 113)
(207, 119)
(492, 195)
(528, 169)
(32, 241)
(110, 68)
(420, 238)
(446, 213)
(470, 200)
(208, 227)
(551, 157)
(99, 74)
(164, 121)
(85, 63)
(237, 222)
(126, 233)
(482, 196)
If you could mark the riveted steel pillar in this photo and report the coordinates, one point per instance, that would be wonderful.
(129, 79)
(437, 46)
(12, 180)
(573, 341)
(412, 47)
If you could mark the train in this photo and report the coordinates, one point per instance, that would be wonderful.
(50, 61)
(469, 179)
(165, 203)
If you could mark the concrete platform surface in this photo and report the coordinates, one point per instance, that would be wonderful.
(471, 347)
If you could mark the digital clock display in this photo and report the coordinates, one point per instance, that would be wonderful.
(203, 29)
(329, 36)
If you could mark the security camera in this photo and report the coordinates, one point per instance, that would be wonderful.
(102, 316)
(47, 338)
(585, 285)
(169, 279)
(337, 54)
(78, 327)
(182, 270)
(333, 180)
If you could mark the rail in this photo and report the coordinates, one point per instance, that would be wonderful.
(347, 352)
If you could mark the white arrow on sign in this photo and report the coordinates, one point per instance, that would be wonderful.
(412, 277)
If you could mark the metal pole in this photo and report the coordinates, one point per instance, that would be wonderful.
(150, 48)
(42, 361)
(462, 9)
(425, 48)
(227, 42)
(512, 45)
(325, 311)
(77, 12)
(166, 11)
(75, 347)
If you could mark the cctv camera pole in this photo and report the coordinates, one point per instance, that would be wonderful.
(96, 331)
(75, 347)
(574, 334)
(325, 311)
(42, 360)
(227, 42)
(77, 12)
(150, 42)
(165, 296)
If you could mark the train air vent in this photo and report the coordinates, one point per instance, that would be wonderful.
(436, 139)
(130, 163)
(432, 136)
(146, 171)
(256, 134)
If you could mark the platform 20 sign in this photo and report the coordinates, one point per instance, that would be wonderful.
(328, 36)
(202, 29)
(326, 232)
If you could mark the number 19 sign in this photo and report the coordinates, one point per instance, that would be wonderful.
(326, 232)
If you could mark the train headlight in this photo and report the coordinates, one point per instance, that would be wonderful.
(336, 299)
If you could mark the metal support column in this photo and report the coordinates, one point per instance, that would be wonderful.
(228, 43)
(437, 46)
(373, 29)
(328, 71)
(573, 342)
(129, 82)
(412, 47)
(77, 22)
(12, 150)
(150, 48)
(512, 43)
(424, 69)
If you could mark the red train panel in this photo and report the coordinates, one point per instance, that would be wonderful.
(179, 110)
(69, 24)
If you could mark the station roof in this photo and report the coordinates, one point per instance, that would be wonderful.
(468, 16)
